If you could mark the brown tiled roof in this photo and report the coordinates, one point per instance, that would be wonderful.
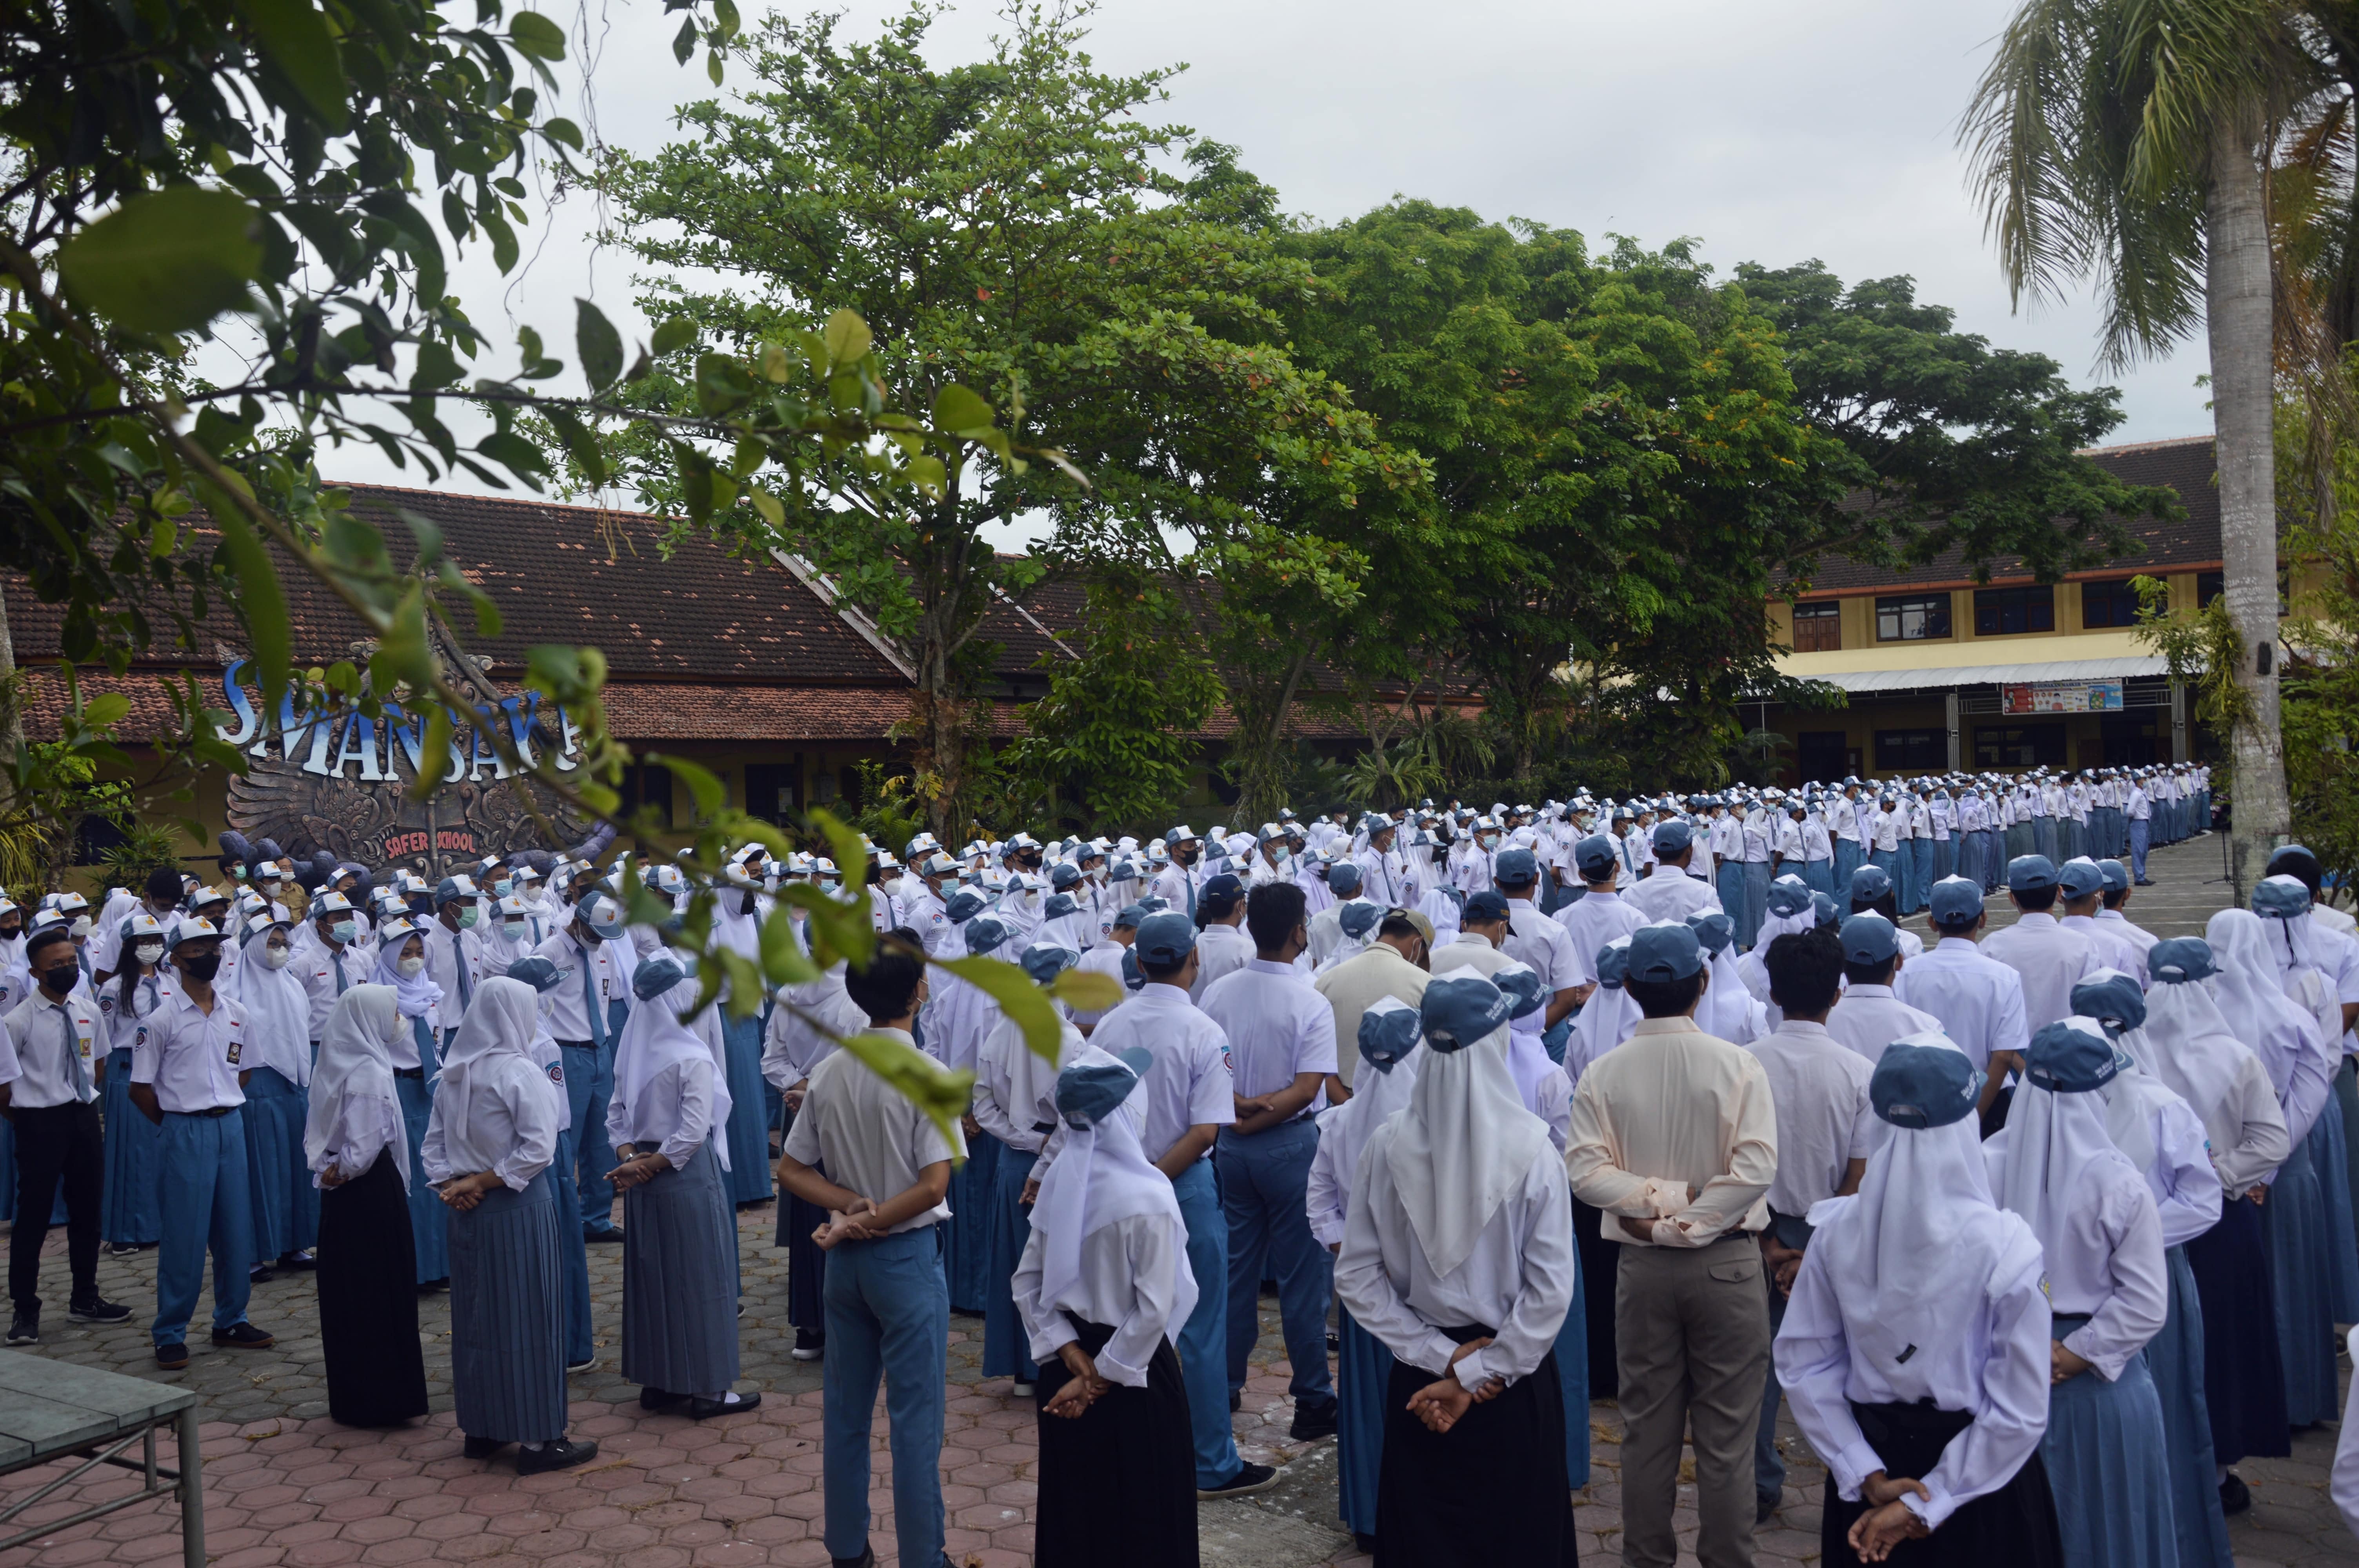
(2190, 543)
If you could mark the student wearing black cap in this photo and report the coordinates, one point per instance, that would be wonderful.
(1915, 1347)
(1221, 945)
(1674, 1137)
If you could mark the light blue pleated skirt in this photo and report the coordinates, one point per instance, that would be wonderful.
(967, 1236)
(507, 1316)
(2110, 1477)
(285, 1205)
(1006, 1348)
(679, 1282)
(1363, 1371)
(131, 1210)
(2294, 1227)
(2175, 1359)
(747, 1179)
(430, 1216)
(2329, 1148)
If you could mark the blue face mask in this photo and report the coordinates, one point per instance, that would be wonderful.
(344, 931)
(503, 887)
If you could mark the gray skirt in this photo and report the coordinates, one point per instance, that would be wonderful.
(507, 1316)
(680, 1287)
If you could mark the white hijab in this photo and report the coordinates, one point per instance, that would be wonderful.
(1101, 1178)
(2056, 1158)
(1527, 1058)
(1343, 1129)
(655, 1037)
(2196, 1054)
(501, 1024)
(1604, 1021)
(354, 1064)
(1726, 1010)
(1913, 1256)
(278, 1012)
(1464, 1143)
(2272, 1026)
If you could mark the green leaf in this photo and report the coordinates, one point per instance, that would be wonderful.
(600, 346)
(168, 260)
(580, 444)
(704, 788)
(961, 411)
(260, 594)
(1087, 990)
(746, 991)
(504, 250)
(724, 15)
(536, 35)
(295, 37)
(712, 65)
(513, 452)
(434, 762)
(676, 333)
(943, 1094)
(783, 960)
(844, 844)
(563, 132)
(847, 338)
(1019, 998)
(105, 710)
(684, 43)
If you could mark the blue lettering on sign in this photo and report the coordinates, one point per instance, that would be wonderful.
(340, 741)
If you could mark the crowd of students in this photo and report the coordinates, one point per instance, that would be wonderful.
(1523, 1109)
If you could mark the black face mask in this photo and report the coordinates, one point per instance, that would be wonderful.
(1032, 860)
(59, 978)
(13, 930)
(1187, 855)
(202, 966)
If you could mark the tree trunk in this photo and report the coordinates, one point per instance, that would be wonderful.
(2238, 314)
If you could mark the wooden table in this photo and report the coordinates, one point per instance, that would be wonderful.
(52, 1410)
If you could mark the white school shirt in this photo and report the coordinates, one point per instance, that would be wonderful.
(1845, 815)
(2343, 1482)
(673, 1113)
(1130, 1283)
(446, 951)
(2112, 951)
(2050, 960)
(1667, 896)
(2109, 1268)
(1384, 876)
(1726, 838)
(317, 967)
(1276, 1026)
(871, 1137)
(1976, 1000)
(35, 1061)
(1592, 922)
(2185, 1184)
(1517, 1279)
(1816, 846)
(1885, 830)
(1533, 938)
(2139, 808)
(190, 1057)
(1996, 1371)
(1869, 1018)
(567, 1019)
(513, 1136)
(1220, 950)
(1757, 842)
(1188, 1083)
(2115, 921)
(1824, 1121)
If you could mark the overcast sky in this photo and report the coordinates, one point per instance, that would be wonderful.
(1821, 128)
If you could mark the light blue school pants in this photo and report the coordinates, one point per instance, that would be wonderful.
(1263, 1182)
(207, 1197)
(1203, 1340)
(889, 1319)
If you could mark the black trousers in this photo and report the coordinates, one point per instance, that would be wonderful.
(55, 1143)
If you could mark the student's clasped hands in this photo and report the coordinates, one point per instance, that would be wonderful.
(1888, 1520)
(844, 1225)
(1082, 1391)
(1441, 1404)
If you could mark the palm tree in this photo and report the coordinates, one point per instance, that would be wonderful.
(2122, 141)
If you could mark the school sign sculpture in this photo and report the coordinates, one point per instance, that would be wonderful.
(325, 775)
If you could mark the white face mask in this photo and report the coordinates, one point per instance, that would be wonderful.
(275, 958)
(147, 952)
(410, 969)
(79, 927)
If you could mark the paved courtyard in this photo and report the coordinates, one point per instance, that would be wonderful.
(283, 1485)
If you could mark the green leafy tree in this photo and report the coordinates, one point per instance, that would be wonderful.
(1018, 223)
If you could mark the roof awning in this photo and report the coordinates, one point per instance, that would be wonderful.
(1997, 675)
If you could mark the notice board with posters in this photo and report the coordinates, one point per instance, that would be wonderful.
(2061, 697)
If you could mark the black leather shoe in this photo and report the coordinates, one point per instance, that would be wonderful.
(702, 1410)
(243, 1336)
(1311, 1426)
(1250, 1478)
(657, 1399)
(559, 1456)
(483, 1447)
(867, 1559)
(600, 1237)
(2235, 1497)
(171, 1357)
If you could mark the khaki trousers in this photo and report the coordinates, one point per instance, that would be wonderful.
(1691, 1329)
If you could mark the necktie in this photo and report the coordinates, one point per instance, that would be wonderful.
(590, 1003)
(77, 1070)
(466, 981)
(1189, 874)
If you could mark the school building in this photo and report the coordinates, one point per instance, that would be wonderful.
(1941, 672)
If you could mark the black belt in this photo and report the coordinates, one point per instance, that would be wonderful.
(1044, 1127)
(578, 1044)
(409, 1072)
(214, 1110)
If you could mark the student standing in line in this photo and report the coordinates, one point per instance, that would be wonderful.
(487, 1152)
(1871, 1014)
(417, 1052)
(1458, 1257)
(1826, 1129)
(1103, 1278)
(888, 1170)
(50, 1093)
(2050, 960)
(586, 1017)
(680, 1284)
(355, 1143)
(1978, 999)
(1915, 1349)
(1282, 1037)
(277, 1031)
(131, 1211)
(185, 1078)
(2194, 1051)
(542, 977)
(2101, 1245)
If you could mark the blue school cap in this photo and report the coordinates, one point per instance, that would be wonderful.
(1594, 856)
(1087, 1092)
(986, 933)
(1672, 837)
(1044, 961)
(1869, 884)
(1870, 939)
(1058, 904)
(1613, 963)
(2071, 1056)
(2117, 876)
(1485, 908)
(1165, 938)
(1713, 928)
(2180, 959)
(1226, 888)
(2112, 998)
(654, 977)
(1521, 984)
(1789, 896)
(1064, 874)
(537, 972)
(1923, 1081)
(1663, 952)
(1388, 1031)
(1515, 869)
(1344, 878)
(1358, 919)
(2281, 898)
(1131, 916)
(1956, 900)
(2030, 873)
(2079, 877)
(1823, 906)
(1460, 1009)
(964, 905)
